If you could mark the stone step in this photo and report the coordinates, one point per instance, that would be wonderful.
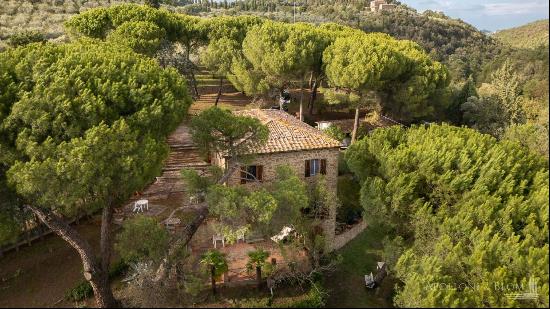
(179, 167)
(185, 162)
(177, 146)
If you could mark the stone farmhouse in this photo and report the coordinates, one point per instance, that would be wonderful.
(380, 5)
(308, 151)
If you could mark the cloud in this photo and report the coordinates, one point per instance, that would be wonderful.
(503, 8)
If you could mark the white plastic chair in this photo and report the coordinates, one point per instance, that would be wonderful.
(217, 238)
(141, 206)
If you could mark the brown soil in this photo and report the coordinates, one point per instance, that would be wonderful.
(39, 275)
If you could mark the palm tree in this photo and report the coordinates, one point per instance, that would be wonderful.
(216, 261)
(257, 259)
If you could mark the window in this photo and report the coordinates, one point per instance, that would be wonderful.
(251, 173)
(315, 166)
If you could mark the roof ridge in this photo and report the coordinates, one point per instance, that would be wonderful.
(287, 133)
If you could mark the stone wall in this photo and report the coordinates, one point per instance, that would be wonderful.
(296, 161)
(342, 239)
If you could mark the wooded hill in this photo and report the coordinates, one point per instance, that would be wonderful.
(531, 36)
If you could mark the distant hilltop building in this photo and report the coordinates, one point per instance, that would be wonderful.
(380, 5)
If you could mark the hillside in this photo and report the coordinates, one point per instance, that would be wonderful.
(531, 35)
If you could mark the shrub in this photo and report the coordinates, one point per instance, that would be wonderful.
(335, 132)
(82, 291)
(348, 194)
(142, 238)
(343, 168)
(26, 37)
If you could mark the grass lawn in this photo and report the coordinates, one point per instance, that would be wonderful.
(346, 286)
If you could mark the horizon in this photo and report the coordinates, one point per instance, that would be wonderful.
(491, 15)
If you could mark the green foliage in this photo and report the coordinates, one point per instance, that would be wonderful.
(98, 22)
(499, 104)
(277, 53)
(398, 69)
(460, 93)
(265, 210)
(348, 194)
(322, 199)
(238, 210)
(153, 3)
(292, 196)
(393, 248)
(82, 291)
(485, 114)
(316, 298)
(257, 258)
(335, 132)
(83, 124)
(233, 28)
(216, 259)
(25, 37)
(459, 45)
(9, 231)
(532, 136)
(141, 36)
(142, 239)
(218, 56)
(196, 184)
(531, 35)
(217, 130)
(473, 211)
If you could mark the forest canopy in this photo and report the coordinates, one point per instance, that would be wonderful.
(473, 212)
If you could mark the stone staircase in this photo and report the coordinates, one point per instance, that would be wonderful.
(183, 154)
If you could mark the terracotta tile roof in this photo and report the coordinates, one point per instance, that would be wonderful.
(286, 133)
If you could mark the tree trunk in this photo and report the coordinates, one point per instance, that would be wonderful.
(93, 272)
(230, 170)
(310, 80)
(106, 250)
(182, 240)
(281, 98)
(301, 101)
(213, 278)
(194, 83)
(355, 125)
(313, 96)
(105, 243)
(259, 277)
(219, 92)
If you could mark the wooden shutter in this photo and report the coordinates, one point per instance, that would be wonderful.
(324, 166)
(259, 172)
(243, 174)
(307, 169)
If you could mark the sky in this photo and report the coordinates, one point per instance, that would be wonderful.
(489, 15)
